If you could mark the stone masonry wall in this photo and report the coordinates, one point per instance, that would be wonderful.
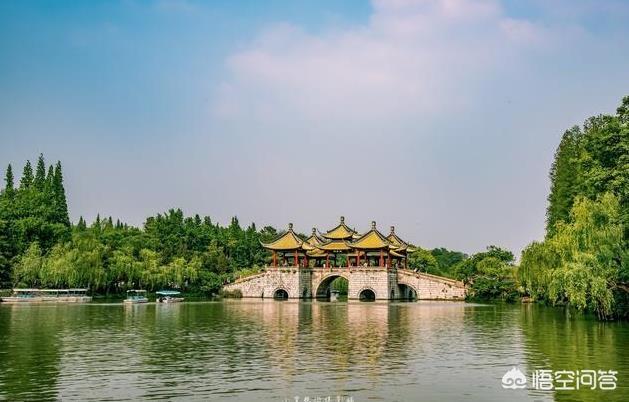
(431, 286)
(303, 283)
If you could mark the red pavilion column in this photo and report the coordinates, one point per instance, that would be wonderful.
(296, 259)
(381, 259)
(327, 260)
(274, 258)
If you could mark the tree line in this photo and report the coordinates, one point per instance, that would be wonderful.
(583, 260)
(40, 247)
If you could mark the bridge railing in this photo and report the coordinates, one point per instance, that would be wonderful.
(434, 277)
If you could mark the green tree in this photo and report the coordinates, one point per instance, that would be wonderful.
(583, 260)
(40, 173)
(584, 263)
(27, 176)
(447, 260)
(27, 270)
(489, 274)
(564, 178)
(423, 261)
(59, 194)
(9, 189)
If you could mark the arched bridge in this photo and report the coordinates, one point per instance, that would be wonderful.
(380, 283)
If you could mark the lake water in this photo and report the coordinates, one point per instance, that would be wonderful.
(259, 350)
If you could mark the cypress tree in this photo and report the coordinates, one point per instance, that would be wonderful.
(50, 178)
(564, 179)
(27, 176)
(81, 226)
(9, 189)
(61, 204)
(40, 173)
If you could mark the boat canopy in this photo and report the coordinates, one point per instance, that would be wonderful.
(25, 290)
(168, 292)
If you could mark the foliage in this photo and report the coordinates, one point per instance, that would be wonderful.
(583, 260)
(438, 261)
(39, 246)
(35, 212)
(423, 261)
(447, 260)
(490, 275)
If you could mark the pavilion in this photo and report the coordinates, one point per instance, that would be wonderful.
(321, 249)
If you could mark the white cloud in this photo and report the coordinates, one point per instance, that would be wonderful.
(440, 116)
(413, 59)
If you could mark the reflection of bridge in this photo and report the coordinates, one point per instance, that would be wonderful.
(381, 283)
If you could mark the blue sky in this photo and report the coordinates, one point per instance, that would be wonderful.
(437, 116)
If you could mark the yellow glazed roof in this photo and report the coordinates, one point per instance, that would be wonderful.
(334, 245)
(395, 254)
(287, 241)
(371, 240)
(313, 240)
(395, 239)
(340, 232)
(316, 253)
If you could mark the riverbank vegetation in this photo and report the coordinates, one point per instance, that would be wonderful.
(584, 259)
(40, 247)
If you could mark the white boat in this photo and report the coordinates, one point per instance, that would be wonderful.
(168, 296)
(48, 296)
(136, 296)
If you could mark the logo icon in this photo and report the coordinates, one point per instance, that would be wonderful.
(514, 379)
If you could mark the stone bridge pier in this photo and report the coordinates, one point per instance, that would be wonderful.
(379, 283)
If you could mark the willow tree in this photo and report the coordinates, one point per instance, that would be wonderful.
(581, 263)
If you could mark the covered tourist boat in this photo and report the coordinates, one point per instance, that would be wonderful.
(136, 296)
(48, 296)
(168, 296)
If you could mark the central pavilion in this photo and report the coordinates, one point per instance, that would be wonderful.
(340, 246)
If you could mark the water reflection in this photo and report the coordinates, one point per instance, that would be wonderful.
(271, 350)
(557, 339)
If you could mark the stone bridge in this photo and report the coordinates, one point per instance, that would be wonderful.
(378, 283)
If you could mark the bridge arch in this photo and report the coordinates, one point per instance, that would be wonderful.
(406, 291)
(322, 289)
(280, 294)
(367, 294)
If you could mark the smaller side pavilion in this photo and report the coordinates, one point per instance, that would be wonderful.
(287, 246)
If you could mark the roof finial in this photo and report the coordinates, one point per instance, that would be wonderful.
(290, 226)
(373, 225)
(342, 219)
(392, 229)
(314, 231)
